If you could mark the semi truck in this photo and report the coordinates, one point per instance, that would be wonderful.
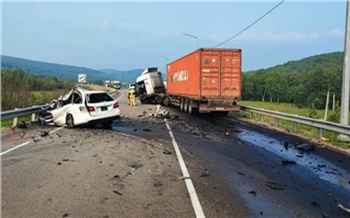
(113, 84)
(207, 80)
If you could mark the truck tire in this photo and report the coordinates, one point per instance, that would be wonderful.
(182, 104)
(166, 101)
(186, 105)
(190, 107)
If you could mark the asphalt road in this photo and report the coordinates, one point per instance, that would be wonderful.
(131, 170)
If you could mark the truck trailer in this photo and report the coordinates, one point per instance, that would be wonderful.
(206, 80)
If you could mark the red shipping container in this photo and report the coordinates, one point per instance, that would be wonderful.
(206, 74)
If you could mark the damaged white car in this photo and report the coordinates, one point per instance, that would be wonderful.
(82, 106)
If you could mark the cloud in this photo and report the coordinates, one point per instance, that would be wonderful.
(336, 33)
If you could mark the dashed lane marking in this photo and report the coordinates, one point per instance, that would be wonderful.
(190, 188)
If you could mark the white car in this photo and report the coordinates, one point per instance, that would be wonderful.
(81, 106)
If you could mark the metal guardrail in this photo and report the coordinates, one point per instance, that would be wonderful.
(320, 124)
(5, 115)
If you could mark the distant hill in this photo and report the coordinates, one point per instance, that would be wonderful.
(50, 69)
(62, 71)
(326, 61)
(126, 76)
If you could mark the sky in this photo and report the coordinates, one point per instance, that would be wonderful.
(130, 35)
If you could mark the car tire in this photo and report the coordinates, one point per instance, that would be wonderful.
(70, 121)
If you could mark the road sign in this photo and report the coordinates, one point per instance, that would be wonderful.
(81, 78)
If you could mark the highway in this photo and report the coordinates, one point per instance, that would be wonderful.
(238, 169)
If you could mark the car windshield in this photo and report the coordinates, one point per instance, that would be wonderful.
(99, 97)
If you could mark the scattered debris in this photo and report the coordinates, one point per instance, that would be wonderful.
(185, 177)
(117, 192)
(305, 147)
(135, 165)
(239, 173)
(205, 173)
(160, 113)
(65, 215)
(315, 203)
(44, 133)
(147, 130)
(253, 192)
(343, 208)
(22, 125)
(59, 163)
(35, 138)
(135, 130)
(157, 184)
(274, 185)
(165, 151)
(65, 159)
(288, 162)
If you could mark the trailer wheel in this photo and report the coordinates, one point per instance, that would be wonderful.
(190, 107)
(182, 104)
(166, 101)
(186, 105)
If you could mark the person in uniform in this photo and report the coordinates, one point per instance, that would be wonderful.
(131, 97)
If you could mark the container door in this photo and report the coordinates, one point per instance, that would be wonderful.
(210, 75)
(230, 74)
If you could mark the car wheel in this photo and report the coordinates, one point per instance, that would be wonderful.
(70, 121)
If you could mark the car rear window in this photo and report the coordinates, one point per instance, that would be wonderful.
(99, 97)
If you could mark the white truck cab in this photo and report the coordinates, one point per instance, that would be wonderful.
(149, 85)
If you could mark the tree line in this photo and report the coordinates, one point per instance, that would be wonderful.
(16, 87)
(303, 83)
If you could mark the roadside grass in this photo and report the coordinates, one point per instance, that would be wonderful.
(43, 97)
(289, 126)
(38, 98)
(9, 122)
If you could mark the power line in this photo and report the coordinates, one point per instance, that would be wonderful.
(250, 24)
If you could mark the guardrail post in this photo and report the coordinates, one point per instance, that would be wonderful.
(277, 121)
(295, 125)
(15, 120)
(262, 118)
(321, 133)
(33, 115)
(250, 115)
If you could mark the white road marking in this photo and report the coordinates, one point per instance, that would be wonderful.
(190, 188)
(26, 143)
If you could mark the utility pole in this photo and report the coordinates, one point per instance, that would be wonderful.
(344, 115)
(344, 112)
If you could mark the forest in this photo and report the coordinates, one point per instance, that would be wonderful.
(17, 88)
(303, 83)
